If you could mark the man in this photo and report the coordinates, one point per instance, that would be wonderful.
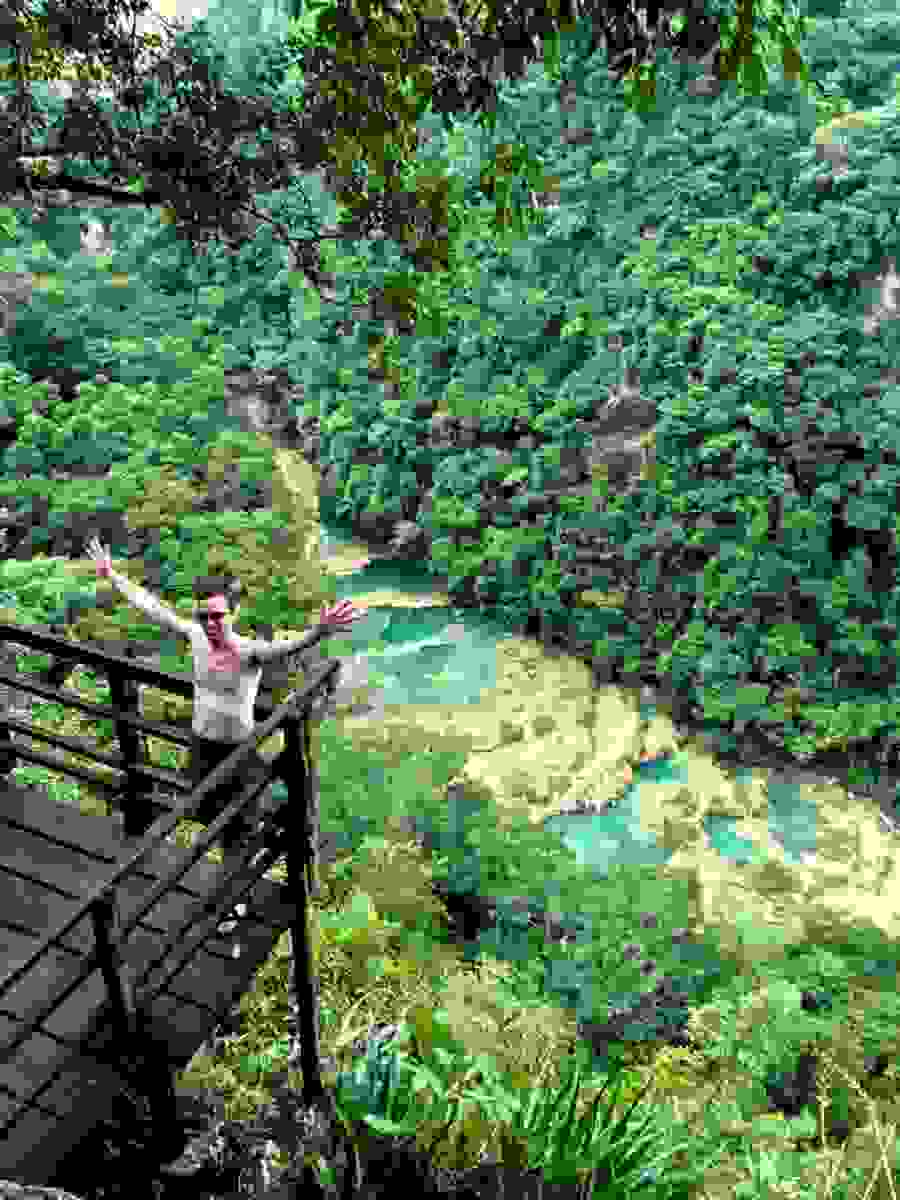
(227, 673)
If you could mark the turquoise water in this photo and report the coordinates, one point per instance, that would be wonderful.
(615, 835)
(425, 656)
(447, 656)
(418, 655)
(601, 840)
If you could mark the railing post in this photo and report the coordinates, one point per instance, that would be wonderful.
(8, 697)
(18, 703)
(138, 807)
(142, 1061)
(302, 829)
(8, 760)
(118, 986)
(301, 839)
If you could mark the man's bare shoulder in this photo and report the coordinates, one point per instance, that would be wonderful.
(262, 650)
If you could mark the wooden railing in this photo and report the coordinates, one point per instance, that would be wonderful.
(124, 676)
(289, 829)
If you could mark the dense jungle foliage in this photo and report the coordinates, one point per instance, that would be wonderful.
(748, 562)
(516, 332)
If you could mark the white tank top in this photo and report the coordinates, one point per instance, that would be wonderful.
(225, 684)
(225, 688)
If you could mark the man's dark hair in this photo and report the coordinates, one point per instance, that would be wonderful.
(228, 586)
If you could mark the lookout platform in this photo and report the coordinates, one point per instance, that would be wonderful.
(112, 969)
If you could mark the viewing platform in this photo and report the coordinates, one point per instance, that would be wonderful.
(112, 969)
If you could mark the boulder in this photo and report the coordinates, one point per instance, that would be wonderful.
(617, 432)
(16, 287)
(409, 542)
(267, 402)
(15, 290)
(96, 238)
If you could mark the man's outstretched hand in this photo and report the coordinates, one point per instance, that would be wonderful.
(341, 615)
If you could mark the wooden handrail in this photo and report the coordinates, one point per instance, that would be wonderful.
(131, 729)
(166, 681)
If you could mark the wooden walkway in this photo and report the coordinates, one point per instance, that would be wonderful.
(178, 973)
(40, 841)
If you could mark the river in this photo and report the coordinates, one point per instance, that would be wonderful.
(424, 653)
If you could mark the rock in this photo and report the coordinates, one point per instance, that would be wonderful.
(266, 402)
(96, 238)
(328, 481)
(375, 527)
(217, 1157)
(16, 287)
(409, 541)
(885, 307)
(15, 290)
(221, 1159)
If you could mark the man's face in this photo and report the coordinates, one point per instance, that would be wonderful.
(215, 617)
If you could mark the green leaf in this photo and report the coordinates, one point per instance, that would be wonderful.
(8, 226)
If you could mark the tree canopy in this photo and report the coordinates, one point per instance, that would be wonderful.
(342, 93)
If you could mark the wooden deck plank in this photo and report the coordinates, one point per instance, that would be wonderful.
(43, 883)
(144, 945)
(42, 1134)
(86, 1092)
(80, 849)
(50, 861)
(76, 850)
(215, 978)
(26, 1069)
(218, 981)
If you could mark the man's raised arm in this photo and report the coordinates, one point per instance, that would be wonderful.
(149, 604)
(341, 616)
(271, 652)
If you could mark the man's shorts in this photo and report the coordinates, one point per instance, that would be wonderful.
(205, 757)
